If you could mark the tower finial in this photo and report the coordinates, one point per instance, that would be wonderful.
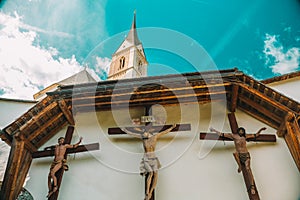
(134, 19)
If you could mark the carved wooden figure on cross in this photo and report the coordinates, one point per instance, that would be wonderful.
(242, 156)
(59, 162)
(150, 163)
(149, 134)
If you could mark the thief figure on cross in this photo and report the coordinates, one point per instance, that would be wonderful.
(58, 162)
(150, 163)
(242, 156)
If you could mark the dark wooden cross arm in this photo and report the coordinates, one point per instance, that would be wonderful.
(179, 127)
(260, 138)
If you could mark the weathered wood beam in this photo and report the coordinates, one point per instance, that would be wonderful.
(292, 138)
(81, 148)
(282, 128)
(261, 109)
(260, 138)
(33, 120)
(247, 174)
(260, 118)
(149, 99)
(46, 125)
(233, 123)
(68, 114)
(118, 93)
(51, 134)
(18, 165)
(265, 98)
(234, 97)
(6, 137)
(20, 137)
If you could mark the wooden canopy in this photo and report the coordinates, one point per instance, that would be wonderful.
(40, 123)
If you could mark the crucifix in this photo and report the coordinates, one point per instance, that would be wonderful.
(149, 134)
(241, 155)
(50, 151)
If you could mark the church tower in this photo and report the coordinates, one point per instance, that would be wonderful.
(129, 61)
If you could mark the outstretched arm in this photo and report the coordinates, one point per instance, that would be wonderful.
(257, 134)
(166, 131)
(227, 135)
(49, 148)
(69, 146)
(131, 133)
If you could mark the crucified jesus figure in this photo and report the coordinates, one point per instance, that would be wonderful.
(58, 162)
(150, 163)
(242, 156)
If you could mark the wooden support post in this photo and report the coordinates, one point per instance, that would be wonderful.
(18, 165)
(292, 138)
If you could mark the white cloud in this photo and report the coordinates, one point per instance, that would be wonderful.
(282, 61)
(102, 66)
(24, 67)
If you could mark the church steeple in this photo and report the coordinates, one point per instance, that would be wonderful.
(132, 36)
(129, 61)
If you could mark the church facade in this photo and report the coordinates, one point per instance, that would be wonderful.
(191, 168)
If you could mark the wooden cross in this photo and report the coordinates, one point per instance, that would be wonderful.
(247, 173)
(59, 173)
(148, 125)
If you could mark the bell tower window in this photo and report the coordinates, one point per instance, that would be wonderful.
(122, 63)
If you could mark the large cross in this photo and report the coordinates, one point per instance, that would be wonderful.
(148, 120)
(59, 173)
(247, 174)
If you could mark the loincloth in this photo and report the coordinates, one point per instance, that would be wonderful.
(244, 157)
(149, 165)
(63, 164)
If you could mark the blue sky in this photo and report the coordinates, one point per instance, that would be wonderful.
(44, 41)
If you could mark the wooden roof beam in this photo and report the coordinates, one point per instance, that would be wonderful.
(265, 98)
(46, 125)
(92, 95)
(128, 100)
(36, 117)
(20, 137)
(6, 137)
(51, 133)
(68, 114)
(261, 109)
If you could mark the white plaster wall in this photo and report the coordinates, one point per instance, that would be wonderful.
(192, 169)
(289, 88)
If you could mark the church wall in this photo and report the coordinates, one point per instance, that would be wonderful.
(288, 87)
(191, 169)
(12, 109)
